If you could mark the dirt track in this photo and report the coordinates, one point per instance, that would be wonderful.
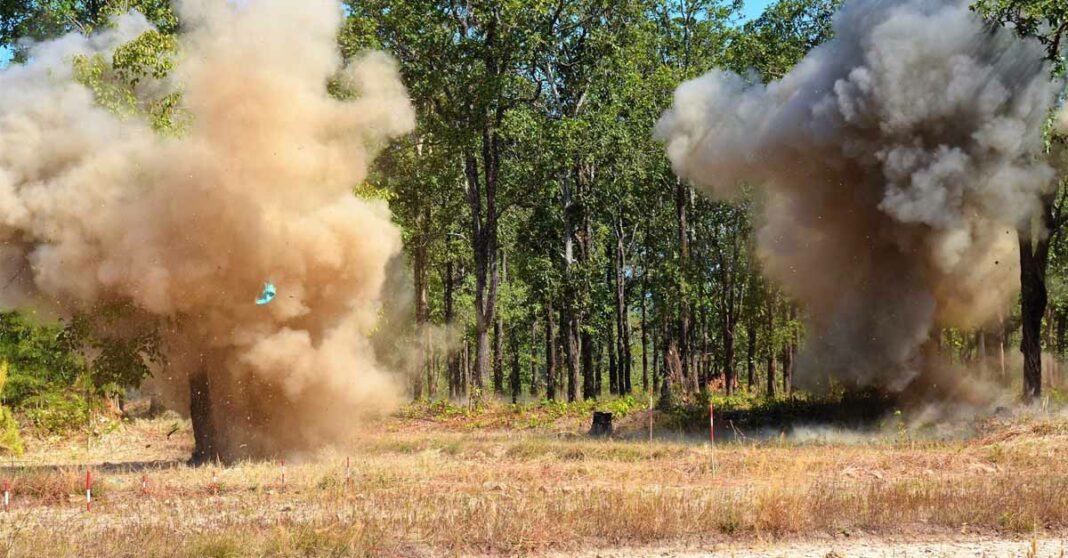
(871, 548)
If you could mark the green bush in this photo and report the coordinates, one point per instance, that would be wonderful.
(37, 360)
(10, 440)
(56, 412)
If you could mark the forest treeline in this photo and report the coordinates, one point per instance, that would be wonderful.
(551, 250)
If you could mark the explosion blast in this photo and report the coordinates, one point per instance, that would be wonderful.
(99, 208)
(895, 163)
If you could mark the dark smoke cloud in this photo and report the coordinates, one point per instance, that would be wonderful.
(896, 163)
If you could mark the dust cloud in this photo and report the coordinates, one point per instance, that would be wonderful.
(895, 165)
(97, 208)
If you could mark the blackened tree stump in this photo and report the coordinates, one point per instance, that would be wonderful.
(602, 425)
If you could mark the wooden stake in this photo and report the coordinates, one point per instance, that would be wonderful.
(88, 489)
(711, 424)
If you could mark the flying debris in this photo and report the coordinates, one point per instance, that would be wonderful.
(267, 295)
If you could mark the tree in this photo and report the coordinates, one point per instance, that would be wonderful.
(1047, 21)
(41, 20)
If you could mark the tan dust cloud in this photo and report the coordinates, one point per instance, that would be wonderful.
(896, 163)
(96, 208)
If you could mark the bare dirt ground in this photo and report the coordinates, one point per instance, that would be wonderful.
(975, 547)
(482, 486)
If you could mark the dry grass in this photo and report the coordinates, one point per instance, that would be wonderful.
(417, 488)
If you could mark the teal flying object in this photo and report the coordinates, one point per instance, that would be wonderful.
(267, 295)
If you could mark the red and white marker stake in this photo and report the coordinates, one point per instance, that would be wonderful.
(283, 473)
(88, 489)
(7, 495)
(711, 424)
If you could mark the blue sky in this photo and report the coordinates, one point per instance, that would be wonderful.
(753, 8)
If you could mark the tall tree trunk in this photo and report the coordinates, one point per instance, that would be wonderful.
(613, 369)
(622, 318)
(498, 330)
(498, 355)
(589, 380)
(205, 442)
(450, 319)
(704, 374)
(729, 327)
(513, 341)
(628, 357)
(569, 318)
(750, 357)
(484, 243)
(465, 377)
(681, 199)
(645, 339)
(550, 352)
(419, 273)
(598, 369)
(534, 355)
(656, 362)
(771, 343)
(1034, 259)
(569, 309)
(667, 402)
(614, 372)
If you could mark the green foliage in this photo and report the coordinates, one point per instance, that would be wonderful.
(52, 369)
(57, 412)
(39, 20)
(10, 440)
(568, 94)
(781, 36)
(119, 344)
(36, 357)
(149, 55)
(115, 84)
(95, 73)
(1044, 20)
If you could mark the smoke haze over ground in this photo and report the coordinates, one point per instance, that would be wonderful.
(896, 163)
(96, 208)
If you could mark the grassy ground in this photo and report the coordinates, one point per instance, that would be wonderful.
(445, 480)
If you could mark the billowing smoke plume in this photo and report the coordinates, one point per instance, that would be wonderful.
(95, 208)
(896, 162)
